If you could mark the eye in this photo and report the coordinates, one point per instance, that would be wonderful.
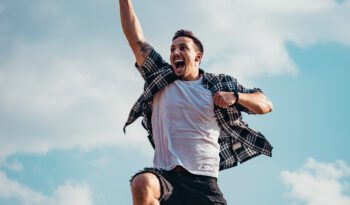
(172, 49)
(182, 48)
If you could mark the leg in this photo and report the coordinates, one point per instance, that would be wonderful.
(145, 189)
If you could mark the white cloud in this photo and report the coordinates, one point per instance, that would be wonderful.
(249, 38)
(318, 183)
(58, 98)
(70, 194)
(67, 194)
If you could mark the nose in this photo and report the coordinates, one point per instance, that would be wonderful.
(175, 54)
(176, 51)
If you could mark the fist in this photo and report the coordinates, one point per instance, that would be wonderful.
(224, 99)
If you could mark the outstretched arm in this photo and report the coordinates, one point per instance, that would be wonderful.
(133, 31)
(256, 102)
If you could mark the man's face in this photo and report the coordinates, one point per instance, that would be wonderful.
(185, 58)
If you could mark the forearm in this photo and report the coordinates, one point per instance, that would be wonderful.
(255, 102)
(130, 23)
(133, 31)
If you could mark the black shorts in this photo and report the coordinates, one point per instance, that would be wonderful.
(184, 188)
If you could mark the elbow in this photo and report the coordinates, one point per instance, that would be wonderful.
(264, 108)
(269, 107)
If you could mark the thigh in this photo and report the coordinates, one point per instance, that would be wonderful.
(164, 186)
(143, 181)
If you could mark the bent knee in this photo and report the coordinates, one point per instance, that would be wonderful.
(146, 183)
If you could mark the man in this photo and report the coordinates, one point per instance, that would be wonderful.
(193, 119)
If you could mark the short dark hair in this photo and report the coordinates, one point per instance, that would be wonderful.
(189, 34)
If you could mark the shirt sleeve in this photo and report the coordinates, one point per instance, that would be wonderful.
(242, 89)
(153, 63)
(228, 83)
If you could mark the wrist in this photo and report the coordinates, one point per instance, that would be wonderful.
(235, 93)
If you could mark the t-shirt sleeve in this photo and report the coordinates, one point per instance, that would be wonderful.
(153, 63)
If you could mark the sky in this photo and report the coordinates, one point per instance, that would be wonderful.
(67, 83)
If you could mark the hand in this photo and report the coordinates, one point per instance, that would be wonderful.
(224, 99)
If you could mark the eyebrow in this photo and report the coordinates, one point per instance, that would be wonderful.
(181, 44)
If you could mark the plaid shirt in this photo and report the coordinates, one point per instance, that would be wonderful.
(238, 142)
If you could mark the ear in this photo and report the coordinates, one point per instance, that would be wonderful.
(198, 56)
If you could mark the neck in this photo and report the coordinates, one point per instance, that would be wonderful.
(193, 76)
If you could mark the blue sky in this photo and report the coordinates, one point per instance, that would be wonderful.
(67, 82)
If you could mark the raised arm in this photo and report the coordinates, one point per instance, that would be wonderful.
(133, 31)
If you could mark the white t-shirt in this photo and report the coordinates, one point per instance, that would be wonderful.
(185, 129)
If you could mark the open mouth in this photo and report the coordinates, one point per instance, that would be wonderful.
(179, 64)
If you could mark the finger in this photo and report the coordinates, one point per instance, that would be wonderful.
(222, 103)
(217, 99)
(229, 100)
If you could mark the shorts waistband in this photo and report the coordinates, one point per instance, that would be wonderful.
(182, 171)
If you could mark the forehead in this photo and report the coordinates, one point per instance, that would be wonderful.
(182, 40)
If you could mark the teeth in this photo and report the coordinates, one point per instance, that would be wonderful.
(179, 63)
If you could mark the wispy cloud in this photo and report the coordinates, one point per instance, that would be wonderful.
(319, 183)
(67, 194)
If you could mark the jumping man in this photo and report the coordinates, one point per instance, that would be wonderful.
(193, 119)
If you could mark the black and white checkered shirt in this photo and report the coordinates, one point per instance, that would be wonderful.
(238, 142)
